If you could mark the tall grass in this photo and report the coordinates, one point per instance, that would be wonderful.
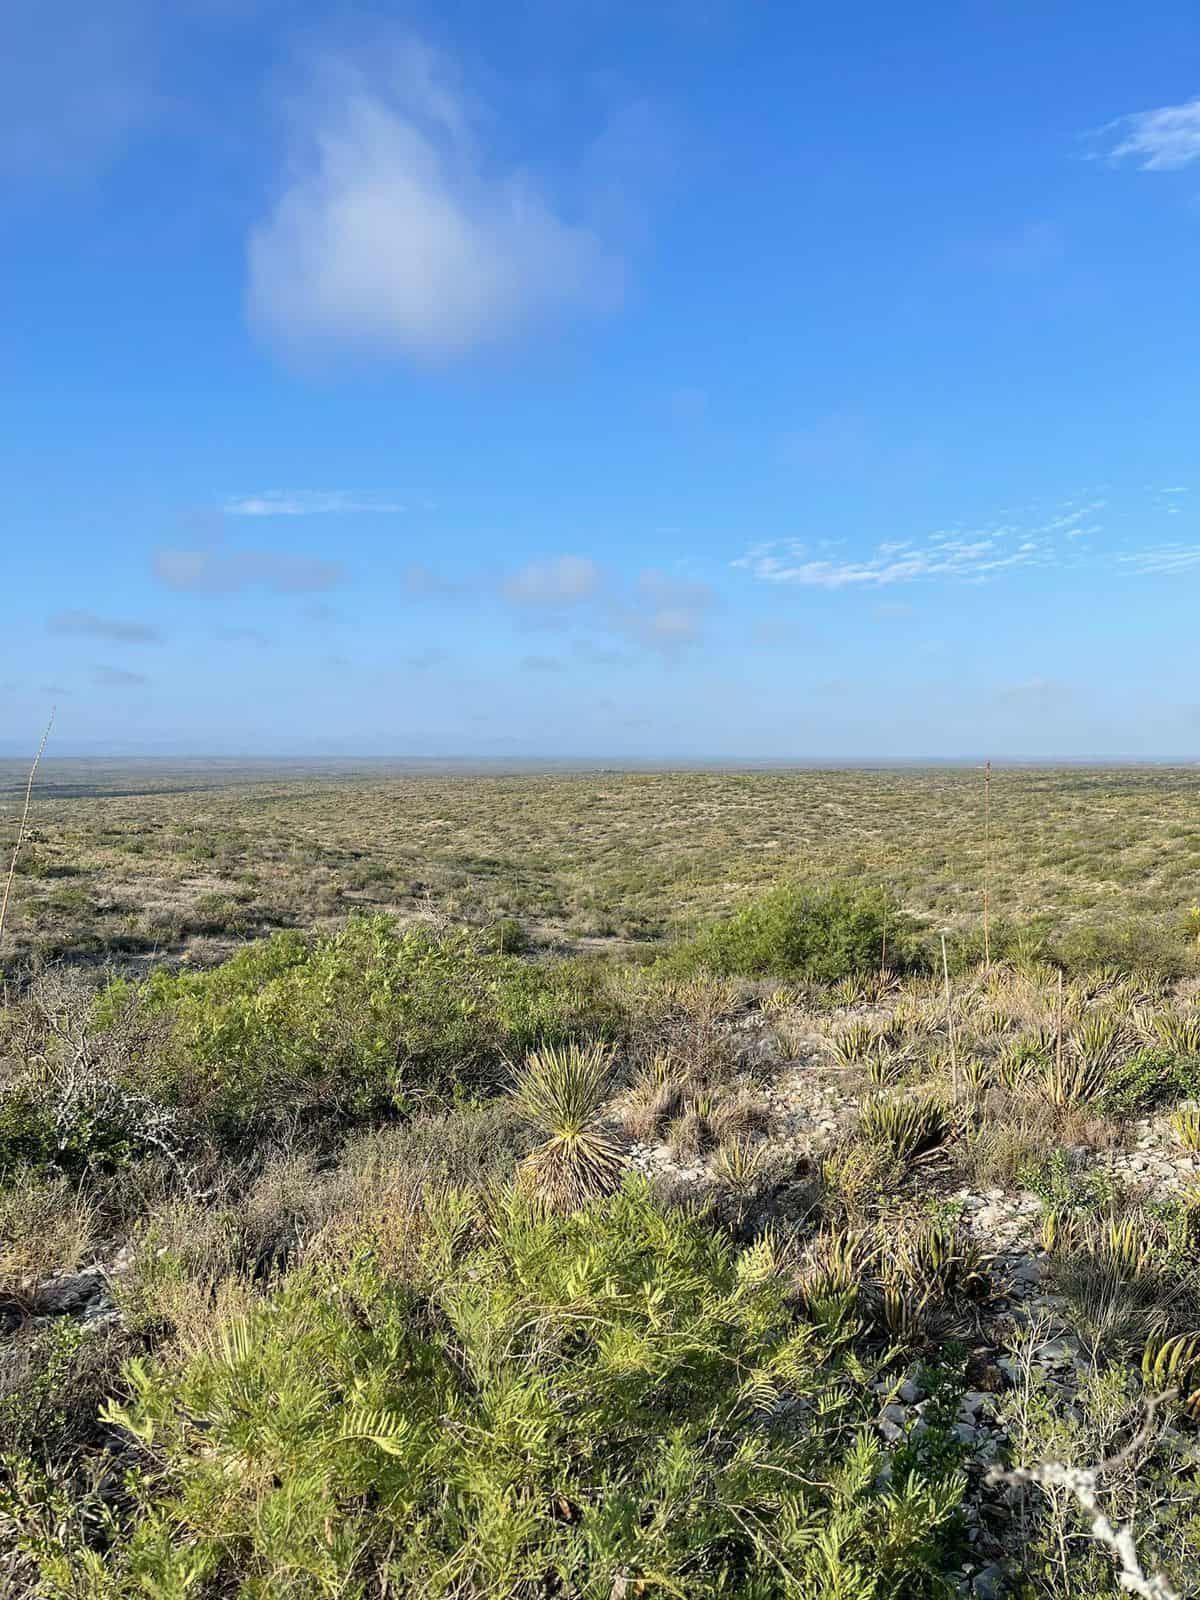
(20, 839)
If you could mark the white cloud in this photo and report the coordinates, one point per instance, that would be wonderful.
(219, 571)
(88, 624)
(561, 581)
(392, 234)
(944, 555)
(1159, 141)
(1161, 558)
(304, 503)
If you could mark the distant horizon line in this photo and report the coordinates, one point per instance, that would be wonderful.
(610, 761)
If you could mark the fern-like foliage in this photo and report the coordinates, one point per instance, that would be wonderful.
(614, 1402)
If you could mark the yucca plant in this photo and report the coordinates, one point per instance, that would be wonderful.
(907, 1127)
(1185, 1124)
(1174, 1363)
(738, 1165)
(854, 1043)
(1177, 1032)
(562, 1089)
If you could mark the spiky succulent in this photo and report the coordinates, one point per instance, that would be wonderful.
(562, 1090)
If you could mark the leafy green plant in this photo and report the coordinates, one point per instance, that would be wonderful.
(795, 932)
(1145, 1079)
(364, 1022)
(603, 1402)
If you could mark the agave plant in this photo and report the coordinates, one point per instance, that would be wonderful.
(836, 1265)
(1186, 1126)
(855, 1043)
(738, 1165)
(562, 1091)
(907, 1127)
(1174, 1364)
(1177, 1032)
(1078, 1069)
(1132, 1244)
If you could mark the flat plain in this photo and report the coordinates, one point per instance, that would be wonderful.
(488, 1184)
(148, 859)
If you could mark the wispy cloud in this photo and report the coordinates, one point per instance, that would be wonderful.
(87, 625)
(1064, 536)
(394, 233)
(305, 503)
(118, 678)
(563, 580)
(945, 555)
(1162, 140)
(1161, 558)
(216, 570)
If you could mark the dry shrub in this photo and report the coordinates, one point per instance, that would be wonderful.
(46, 1225)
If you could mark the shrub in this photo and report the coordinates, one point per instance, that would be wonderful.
(367, 1021)
(1129, 946)
(796, 932)
(601, 1404)
(1149, 1078)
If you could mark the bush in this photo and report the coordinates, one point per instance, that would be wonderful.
(1147, 1079)
(369, 1021)
(612, 1403)
(795, 932)
(1128, 946)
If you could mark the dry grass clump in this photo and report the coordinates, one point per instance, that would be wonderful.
(1119, 1278)
(47, 1224)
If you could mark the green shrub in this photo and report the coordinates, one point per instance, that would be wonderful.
(367, 1021)
(506, 936)
(605, 1404)
(1147, 1079)
(81, 1136)
(1129, 946)
(797, 932)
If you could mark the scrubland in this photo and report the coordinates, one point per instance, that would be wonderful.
(601, 1185)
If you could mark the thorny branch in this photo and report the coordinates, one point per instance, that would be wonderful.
(1081, 1482)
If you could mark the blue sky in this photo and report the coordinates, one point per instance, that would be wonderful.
(572, 377)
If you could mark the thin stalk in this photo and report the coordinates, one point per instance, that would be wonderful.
(20, 840)
(950, 1021)
(1058, 1042)
(987, 863)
